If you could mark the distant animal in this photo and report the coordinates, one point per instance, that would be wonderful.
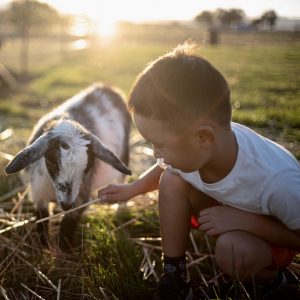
(81, 145)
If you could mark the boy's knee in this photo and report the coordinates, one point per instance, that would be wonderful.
(234, 258)
(171, 183)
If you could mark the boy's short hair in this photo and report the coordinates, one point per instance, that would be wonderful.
(179, 88)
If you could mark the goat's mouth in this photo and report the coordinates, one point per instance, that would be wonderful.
(66, 205)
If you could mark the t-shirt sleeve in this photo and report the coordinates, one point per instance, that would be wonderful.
(281, 198)
(176, 171)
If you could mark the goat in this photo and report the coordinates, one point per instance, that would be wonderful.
(72, 151)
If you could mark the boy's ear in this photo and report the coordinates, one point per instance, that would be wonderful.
(205, 135)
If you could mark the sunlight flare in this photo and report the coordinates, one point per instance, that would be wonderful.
(107, 27)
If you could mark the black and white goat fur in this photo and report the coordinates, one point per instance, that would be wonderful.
(74, 150)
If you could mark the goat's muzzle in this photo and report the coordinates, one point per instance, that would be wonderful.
(66, 205)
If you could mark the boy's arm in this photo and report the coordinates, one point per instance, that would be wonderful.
(281, 198)
(271, 229)
(220, 219)
(147, 182)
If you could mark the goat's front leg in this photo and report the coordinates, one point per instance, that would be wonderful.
(67, 229)
(42, 228)
(69, 225)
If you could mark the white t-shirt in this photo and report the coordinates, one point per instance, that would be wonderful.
(264, 180)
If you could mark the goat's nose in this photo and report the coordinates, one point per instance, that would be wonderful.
(66, 205)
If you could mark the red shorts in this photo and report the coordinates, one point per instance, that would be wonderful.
(282, 257)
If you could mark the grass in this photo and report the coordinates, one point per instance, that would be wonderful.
(263, 79)
(263, 73)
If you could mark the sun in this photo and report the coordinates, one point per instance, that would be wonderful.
(106, 27)
(102, 14)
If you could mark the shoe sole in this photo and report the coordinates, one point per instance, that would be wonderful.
(190, 296)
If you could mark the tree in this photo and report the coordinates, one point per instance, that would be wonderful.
(37, 17)
(205, 17)
(208, 18)
(29, 17)
(227, 17)
(256, 22)
(224, 17)
(270, 18)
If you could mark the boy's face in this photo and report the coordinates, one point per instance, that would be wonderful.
(182, 151)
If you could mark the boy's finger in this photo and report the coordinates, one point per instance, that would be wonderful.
(203, 219)
(104, 189)
(205, 227)
(211, 232)
(103, 198)
(110, 198)
(100, 193)
(204, 212)
(107, 190)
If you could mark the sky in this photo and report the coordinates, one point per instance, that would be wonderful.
(106, 13)
(149, 10)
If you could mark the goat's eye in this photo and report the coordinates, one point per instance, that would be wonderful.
(65, 146)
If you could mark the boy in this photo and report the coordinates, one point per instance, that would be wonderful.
(243, 188)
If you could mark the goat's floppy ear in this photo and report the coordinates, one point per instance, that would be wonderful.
(29, 155)
(107, 155)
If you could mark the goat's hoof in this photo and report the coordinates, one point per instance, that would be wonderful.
(43, 241)
(56, 251)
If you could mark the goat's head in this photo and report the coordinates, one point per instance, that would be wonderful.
(68, 158)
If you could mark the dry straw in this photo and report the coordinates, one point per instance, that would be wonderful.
(19, 246)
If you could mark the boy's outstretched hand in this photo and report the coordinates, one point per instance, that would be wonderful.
(220, 219)
(113, 193)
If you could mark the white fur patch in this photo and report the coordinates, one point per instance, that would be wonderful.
(73, 160)
(110, 130)
(109, 127)
(73, 102)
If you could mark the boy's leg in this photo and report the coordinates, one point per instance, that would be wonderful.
(236, 251)
(247, 257)
(178, 200)
(243, 255)
(239, 254)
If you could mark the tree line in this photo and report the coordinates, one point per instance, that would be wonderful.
(225, 18)
(25, 19)
(30, 17)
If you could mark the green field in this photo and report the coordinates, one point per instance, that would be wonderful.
(263, 72)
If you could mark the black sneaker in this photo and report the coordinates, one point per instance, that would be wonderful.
(278, 285)
(172, 287)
